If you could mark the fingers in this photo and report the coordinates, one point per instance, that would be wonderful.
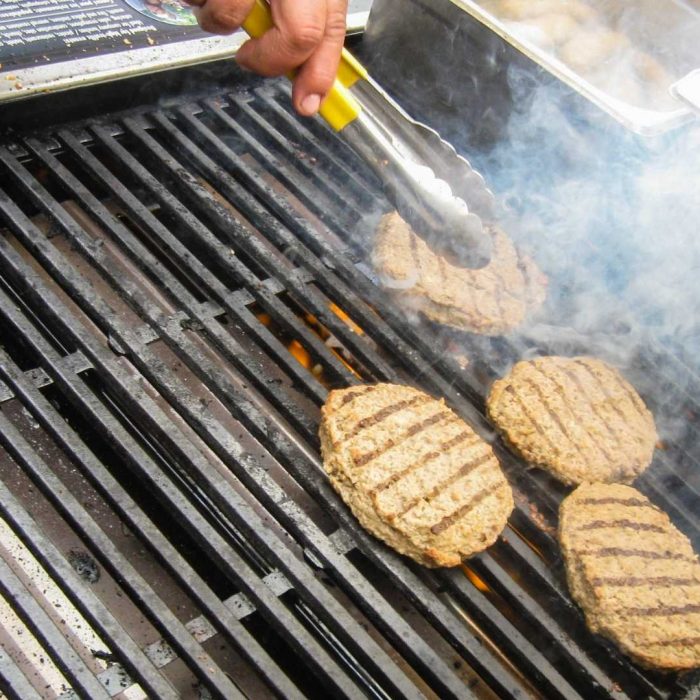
(306, 35)
(221, 16)
(299, 27)
(316, 75)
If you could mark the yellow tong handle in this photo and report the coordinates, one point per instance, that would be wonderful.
(339, 108)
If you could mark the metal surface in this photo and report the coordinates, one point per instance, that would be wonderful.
(468, 23)
(639, 120)
(161, 272)
(81, 71)
(687, 89)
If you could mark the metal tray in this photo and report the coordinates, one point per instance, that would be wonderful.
(463, 45)
(660, 34)
(109, 65)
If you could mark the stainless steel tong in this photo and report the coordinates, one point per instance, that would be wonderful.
(433, 188)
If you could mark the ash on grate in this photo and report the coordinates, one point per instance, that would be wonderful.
(85, 566)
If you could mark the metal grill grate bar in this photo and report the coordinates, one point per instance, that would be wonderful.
(84, 600)
(212, 541)
(112, 560)
(13, 682)
(355, 635)
(225, 621)
(183, 189)
(71, 665)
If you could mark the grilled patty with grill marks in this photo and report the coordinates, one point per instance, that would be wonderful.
(491, 300)
(576, 417)
(413, 472)
(633, 573)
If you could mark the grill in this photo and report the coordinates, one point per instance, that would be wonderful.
(180, 287)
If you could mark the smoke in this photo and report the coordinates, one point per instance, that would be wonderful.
(612, 218)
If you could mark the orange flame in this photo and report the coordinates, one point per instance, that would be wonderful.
(476, 580)
(345, 318)
(300, 354)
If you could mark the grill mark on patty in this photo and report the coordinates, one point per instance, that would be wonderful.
(642, 553)
(665, 610)
(511, 390)
(499, 284)
(614, 404)
(384, 413)
(622, 524)
(632, 581)
(465, 469)
(552, 414)
(679, 642)
(428, 457)
(455, 516)
(412, 431)
(415, 254)
(614, 434)
(562, 394)
(611, 500)
(352, 395)
(555, 417)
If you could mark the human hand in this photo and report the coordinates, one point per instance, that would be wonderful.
(307, 36)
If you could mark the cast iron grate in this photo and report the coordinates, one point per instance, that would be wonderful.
(180, 288)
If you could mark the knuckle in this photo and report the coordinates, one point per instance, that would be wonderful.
(222, 18)
(335, 25)
(206, 23)
(305, 37)
(224, 21)
(321, 79)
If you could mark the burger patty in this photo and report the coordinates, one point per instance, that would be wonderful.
(633, 573)
(413, 472)
(576, 417)
(490, 300)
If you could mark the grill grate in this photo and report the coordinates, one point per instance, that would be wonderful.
(157, 267)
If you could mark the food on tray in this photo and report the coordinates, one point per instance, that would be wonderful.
(590, 48)
(575, 417)
(597, 43)
(491, 300)
(413, 472)
(633, 573)
(526, 9)
(555, 28)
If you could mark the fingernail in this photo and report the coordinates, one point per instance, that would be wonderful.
(311, 103)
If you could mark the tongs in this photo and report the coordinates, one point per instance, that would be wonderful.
(432, 187)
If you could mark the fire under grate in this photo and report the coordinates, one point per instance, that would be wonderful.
(179, 290)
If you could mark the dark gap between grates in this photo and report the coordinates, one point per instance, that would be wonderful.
(76, 166)
(279, 649)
